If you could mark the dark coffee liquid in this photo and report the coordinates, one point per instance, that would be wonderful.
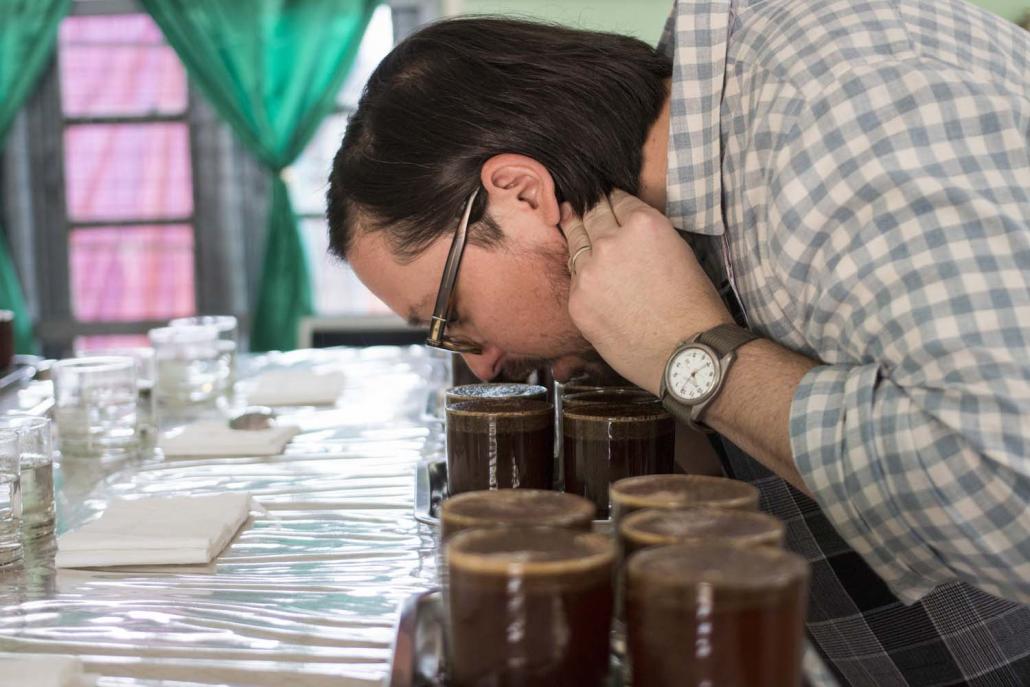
(540, 627)
(495, 449)
(711, 634)
(597, 452)
(752, 647)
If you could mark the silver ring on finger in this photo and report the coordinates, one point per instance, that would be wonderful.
(575, 256)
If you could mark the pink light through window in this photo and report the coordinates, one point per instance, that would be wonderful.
(132, 273)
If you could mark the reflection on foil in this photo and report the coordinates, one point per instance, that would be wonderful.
(306, 595)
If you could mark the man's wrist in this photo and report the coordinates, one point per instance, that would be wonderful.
(753, 408)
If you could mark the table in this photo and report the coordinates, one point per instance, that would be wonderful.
(307, 593)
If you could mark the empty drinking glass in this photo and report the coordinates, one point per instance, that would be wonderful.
(228, 338)
(146, 375)
(191, 366)
(36, 460)
(95, 407)
(10, 499)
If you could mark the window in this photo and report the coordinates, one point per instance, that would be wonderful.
(335, 289)
(128, 183)
(128, 201)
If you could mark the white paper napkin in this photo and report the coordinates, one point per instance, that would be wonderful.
(156, 531)
(42, 670)
(215, 438)
(296, 388)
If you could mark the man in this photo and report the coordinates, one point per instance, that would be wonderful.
(852, 181)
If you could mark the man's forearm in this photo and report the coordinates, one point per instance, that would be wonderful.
(753, 408)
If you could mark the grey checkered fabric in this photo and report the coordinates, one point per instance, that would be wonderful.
(858, 173)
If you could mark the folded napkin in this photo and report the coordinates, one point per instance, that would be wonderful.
(42, 670)
(296, 388)
(216, 438)
(156, 531)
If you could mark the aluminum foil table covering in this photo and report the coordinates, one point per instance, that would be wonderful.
(306, 595)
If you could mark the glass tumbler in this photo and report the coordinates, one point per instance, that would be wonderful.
(191, 365)
(146, 375)
(96, 404)
(10, 499)
(228, 339)
(36, 461)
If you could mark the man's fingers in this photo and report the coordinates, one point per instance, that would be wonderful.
(575, 235)
(623, 204)
(600, 220)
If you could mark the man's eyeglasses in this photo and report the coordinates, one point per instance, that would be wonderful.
(444, 297)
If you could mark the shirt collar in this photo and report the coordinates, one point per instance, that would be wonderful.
(696, 38)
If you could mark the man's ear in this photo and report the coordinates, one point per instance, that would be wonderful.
(517, 183)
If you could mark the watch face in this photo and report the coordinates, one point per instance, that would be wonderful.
(692, 374)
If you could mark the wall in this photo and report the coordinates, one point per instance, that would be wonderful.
(641, 18)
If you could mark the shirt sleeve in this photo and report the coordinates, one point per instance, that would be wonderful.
(904, 206)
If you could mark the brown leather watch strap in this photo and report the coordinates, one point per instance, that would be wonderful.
(725, 338)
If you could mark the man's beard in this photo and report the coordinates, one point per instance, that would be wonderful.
(578, 359)
(557, 274)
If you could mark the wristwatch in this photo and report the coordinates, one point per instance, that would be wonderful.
(697, 369)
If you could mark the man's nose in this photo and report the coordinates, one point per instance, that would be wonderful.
(484, 365)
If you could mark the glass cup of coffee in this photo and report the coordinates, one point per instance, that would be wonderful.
(716, 614)
(604, 443)
(574, 392)
(529, 606)
(675, 492)
(514, 508)
(499, 444)
(502, 392)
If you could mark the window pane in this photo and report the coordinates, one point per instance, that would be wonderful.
(132, 273)
(375, 44)
(310, 173)
(337, 290)
(128, 171)
(92, 343)
(309, 176)
(118, 65)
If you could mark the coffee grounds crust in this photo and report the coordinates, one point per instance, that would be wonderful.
(681, 491)
(525, 507)
(491, 391)
(724, 567)
(527, 551)
(701, 524)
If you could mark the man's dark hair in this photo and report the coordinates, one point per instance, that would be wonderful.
(460, 91)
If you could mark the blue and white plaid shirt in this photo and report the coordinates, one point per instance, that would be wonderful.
(859, 172)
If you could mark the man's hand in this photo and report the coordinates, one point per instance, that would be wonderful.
(638, 290)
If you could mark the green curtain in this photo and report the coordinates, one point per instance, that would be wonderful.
(272, 69)
(28, 30)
